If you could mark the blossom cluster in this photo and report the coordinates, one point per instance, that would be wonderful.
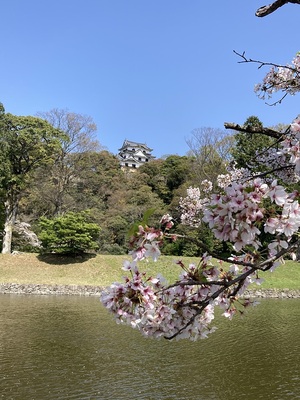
(182, 310)
(186, 309)
(283, 159)
(281, 78)
(239, 214)
(146, 243)
(290, 147)
(277, 161)
(234, 174)
(191, 206)
(242, 210)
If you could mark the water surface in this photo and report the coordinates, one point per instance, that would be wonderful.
(59, 347)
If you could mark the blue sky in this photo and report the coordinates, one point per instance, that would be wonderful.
(148, 71)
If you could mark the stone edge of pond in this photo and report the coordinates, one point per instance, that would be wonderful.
(40, 289)
(89, 290)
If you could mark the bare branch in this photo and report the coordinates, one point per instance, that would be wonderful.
(269, 9)
(278, 101)
(261, 63)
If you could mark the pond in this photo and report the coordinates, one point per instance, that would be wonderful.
(59, 347)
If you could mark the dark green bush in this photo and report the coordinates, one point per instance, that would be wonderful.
(72, 233)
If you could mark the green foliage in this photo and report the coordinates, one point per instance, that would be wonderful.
(25, 144)
(113, 249)
(112, 235)
(248, 145)
(187, 244)
(143, 222)
(71, 233)
(56, 173)
(165, 176)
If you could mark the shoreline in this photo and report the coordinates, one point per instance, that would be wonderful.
(42, 289)
(89, 290)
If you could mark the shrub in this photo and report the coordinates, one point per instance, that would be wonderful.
(72, 233)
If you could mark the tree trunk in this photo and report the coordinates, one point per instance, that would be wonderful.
(11, 210)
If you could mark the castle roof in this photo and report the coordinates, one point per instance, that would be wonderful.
(129, 143)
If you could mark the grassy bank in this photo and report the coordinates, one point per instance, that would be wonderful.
(102, 270)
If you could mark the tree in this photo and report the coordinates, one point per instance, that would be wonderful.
(153, 176)
(211, 149)
(166, 176)
(70, 234)
(79, 138)
(249, 146)
(125, 206)
(94, 176)
(176, 170)
(247, 204)
(26, 143)
(97, 175)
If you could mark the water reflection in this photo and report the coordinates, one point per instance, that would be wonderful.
(69, 348)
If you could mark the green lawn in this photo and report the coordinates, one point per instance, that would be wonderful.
(102, 270)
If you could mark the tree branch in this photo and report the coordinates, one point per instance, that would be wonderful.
(250, 129)
(269, 9)
(225, 285)
(286, 84)
(271, 171)
(262, 63)
(211, 253)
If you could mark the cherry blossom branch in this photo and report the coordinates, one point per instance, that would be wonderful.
(190, 322)
(284, 78)
(267, 264)
(271, 171)
(259, 62)
(200, 306)
(208, 251)
(262, 266)
(269, 9)
(279, 136)
(278, 101)
(240, 212)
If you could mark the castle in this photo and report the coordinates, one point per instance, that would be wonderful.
(134, 154)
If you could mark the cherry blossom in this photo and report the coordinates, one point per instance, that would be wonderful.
(242, 210)
(181, 310)
(281, 78)
(239, 213)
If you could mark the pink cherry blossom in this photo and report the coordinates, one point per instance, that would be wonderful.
(152, 250)
(241, 212)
